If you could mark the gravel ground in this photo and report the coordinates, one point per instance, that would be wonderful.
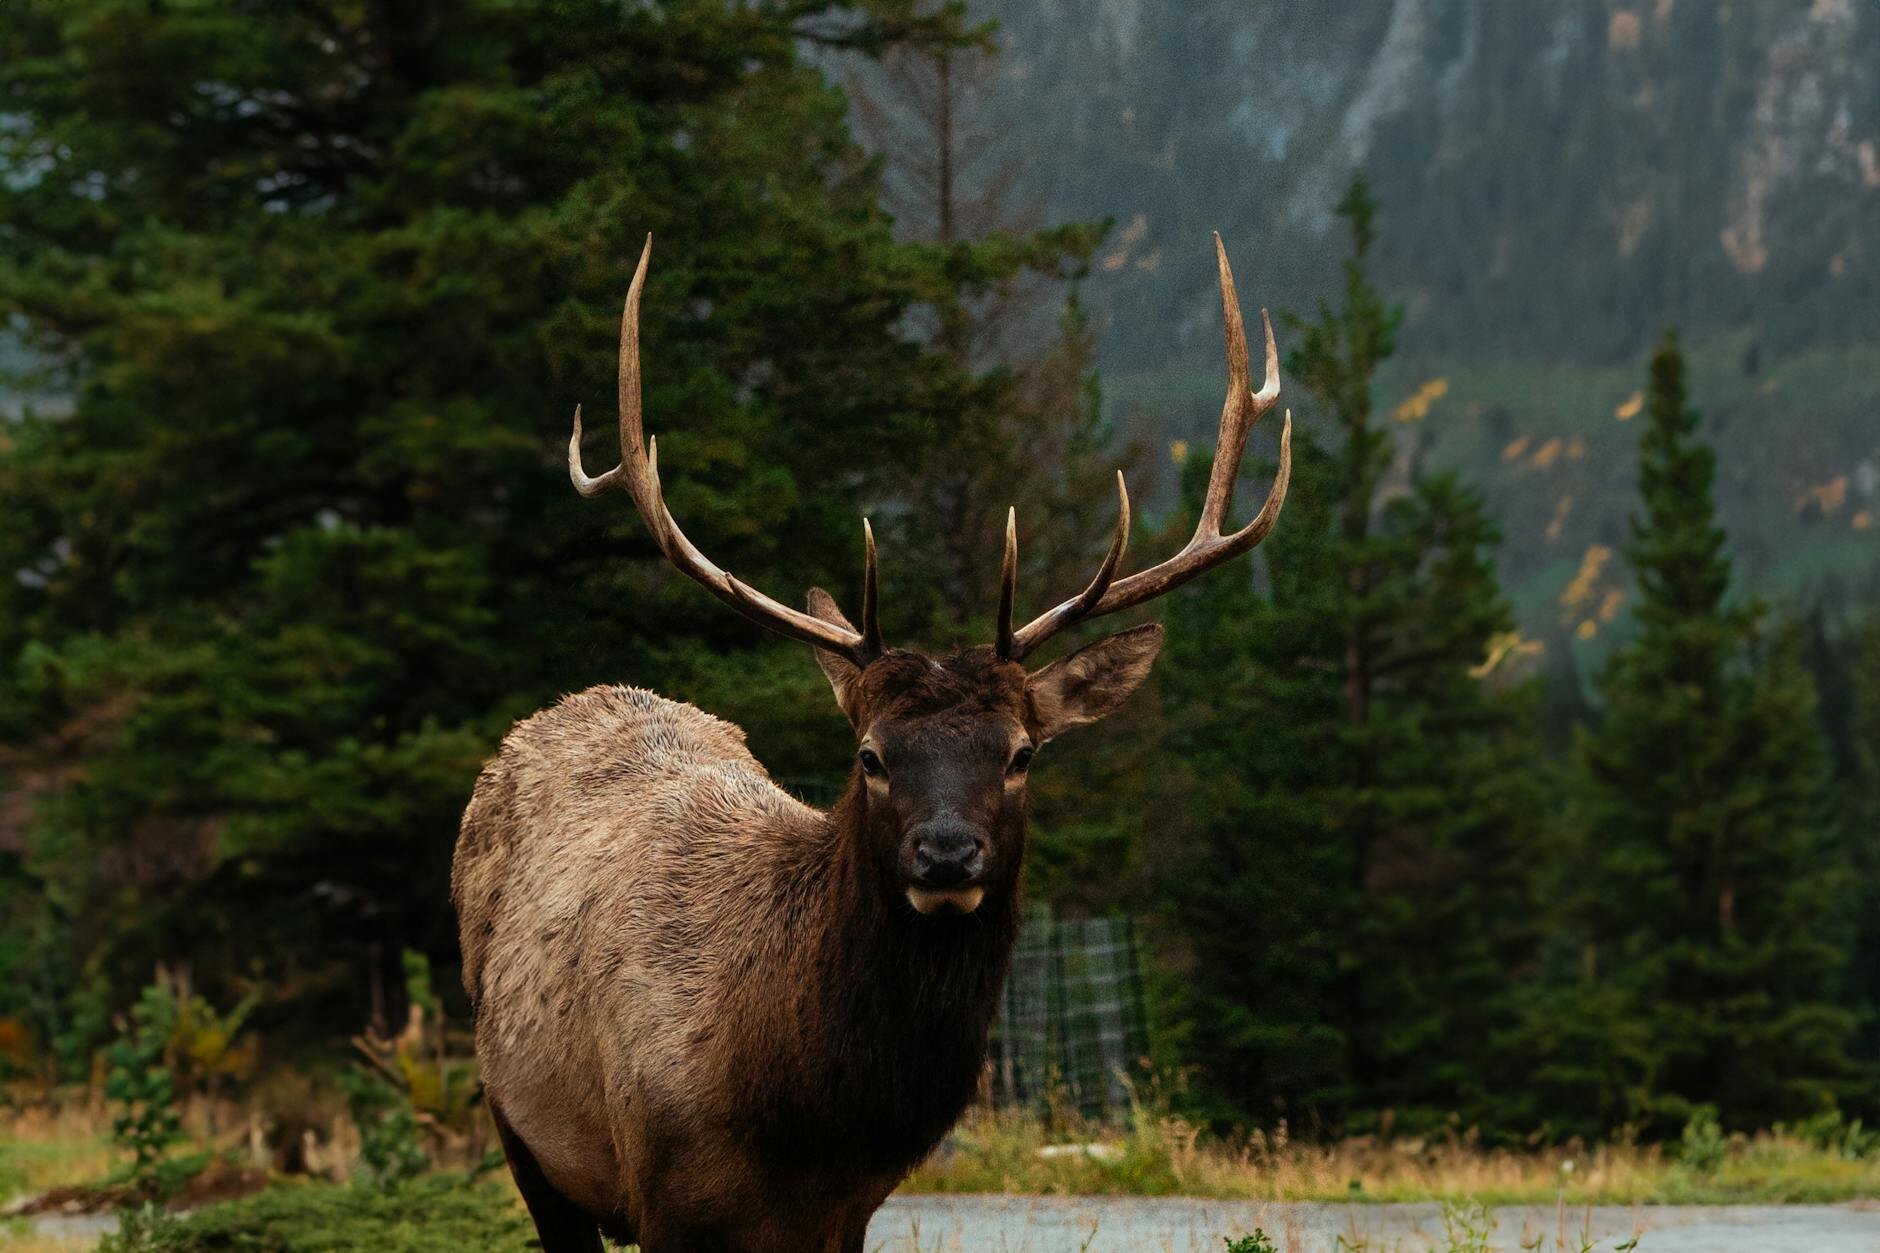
(1004, 1224)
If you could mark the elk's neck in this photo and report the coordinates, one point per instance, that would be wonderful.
(902, 1002)
(949, 965)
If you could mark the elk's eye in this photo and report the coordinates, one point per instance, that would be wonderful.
(871, 764)
(1021, 759)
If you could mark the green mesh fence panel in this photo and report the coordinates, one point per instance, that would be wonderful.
(1071, 1028)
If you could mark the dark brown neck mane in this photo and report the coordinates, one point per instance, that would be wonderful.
(891, 1008)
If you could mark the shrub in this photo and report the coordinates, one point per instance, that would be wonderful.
(145, 1122)
(427, 1073)
(1704, 1146)
(390, 1149)
(206, 1047)
(439, 1213)
(1832, 1133)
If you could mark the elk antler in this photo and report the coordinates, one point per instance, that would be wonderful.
(1208, 547)
(638, 475)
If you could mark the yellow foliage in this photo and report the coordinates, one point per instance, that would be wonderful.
(16, 1047)
(431, 1063)
(1592, 565)
(205, 1046)
(1417, 407)
(1622, 31)
(1828, 497)
(1630, 407)
(1562, 508)
(1515, 448)
(1505, 646)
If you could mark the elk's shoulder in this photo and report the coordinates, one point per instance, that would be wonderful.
(611, 755)
(628, 720)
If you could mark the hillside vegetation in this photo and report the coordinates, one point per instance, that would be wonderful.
(1559, 182)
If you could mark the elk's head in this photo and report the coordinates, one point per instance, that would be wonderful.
(944, 751)
(945, 744)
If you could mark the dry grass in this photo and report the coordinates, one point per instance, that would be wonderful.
(23, 1241)
(1162, 1156)
(50, 1144)
(43, 1146)
(63, 1137)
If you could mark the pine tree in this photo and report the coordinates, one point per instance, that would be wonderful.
(1024, 422)
(1355, 894)
(1713, 894)
(1021, 428)
(327, 281)
(1863, 841)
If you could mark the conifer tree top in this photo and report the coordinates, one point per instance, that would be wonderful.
(1676, 546)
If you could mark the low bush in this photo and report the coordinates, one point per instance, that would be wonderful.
(438, 1213)
(143, 1091)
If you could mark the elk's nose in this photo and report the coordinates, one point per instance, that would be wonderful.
(947, 853)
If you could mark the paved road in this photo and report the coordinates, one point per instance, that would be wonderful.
(1002, 1224)
(1007, 1224)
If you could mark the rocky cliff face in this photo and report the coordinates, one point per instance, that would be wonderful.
(1559, 179)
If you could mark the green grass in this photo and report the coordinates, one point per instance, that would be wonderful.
(42, 1152)
(1158, 1155)
(437, 1213)
(1162, 1156)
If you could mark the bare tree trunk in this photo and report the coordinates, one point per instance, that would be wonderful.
(943, 126)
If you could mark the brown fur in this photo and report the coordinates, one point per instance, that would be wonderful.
(706, 1014)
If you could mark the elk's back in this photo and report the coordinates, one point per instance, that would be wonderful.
(597, 882)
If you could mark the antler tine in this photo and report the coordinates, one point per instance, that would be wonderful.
(638, 475)
(582, 483)
(871, 598)
(1207, 547)
(1241, 409)
(1008, 586)
(1045, 626)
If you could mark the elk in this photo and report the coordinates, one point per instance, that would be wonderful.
(709, 1016)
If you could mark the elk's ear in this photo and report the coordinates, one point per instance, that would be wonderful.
(1092, 681)
(843, 675)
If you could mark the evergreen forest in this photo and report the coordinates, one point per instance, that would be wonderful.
(298, 300)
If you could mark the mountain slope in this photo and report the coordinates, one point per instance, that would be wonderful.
(1559, 182)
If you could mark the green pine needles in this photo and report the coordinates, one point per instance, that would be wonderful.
(142, 1089)
(1711, 908)
(286, 544)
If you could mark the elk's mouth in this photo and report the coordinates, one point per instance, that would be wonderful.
(946, 900)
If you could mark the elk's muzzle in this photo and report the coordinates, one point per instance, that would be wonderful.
(948, 864)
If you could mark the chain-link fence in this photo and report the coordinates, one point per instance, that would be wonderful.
(1071, 1028)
